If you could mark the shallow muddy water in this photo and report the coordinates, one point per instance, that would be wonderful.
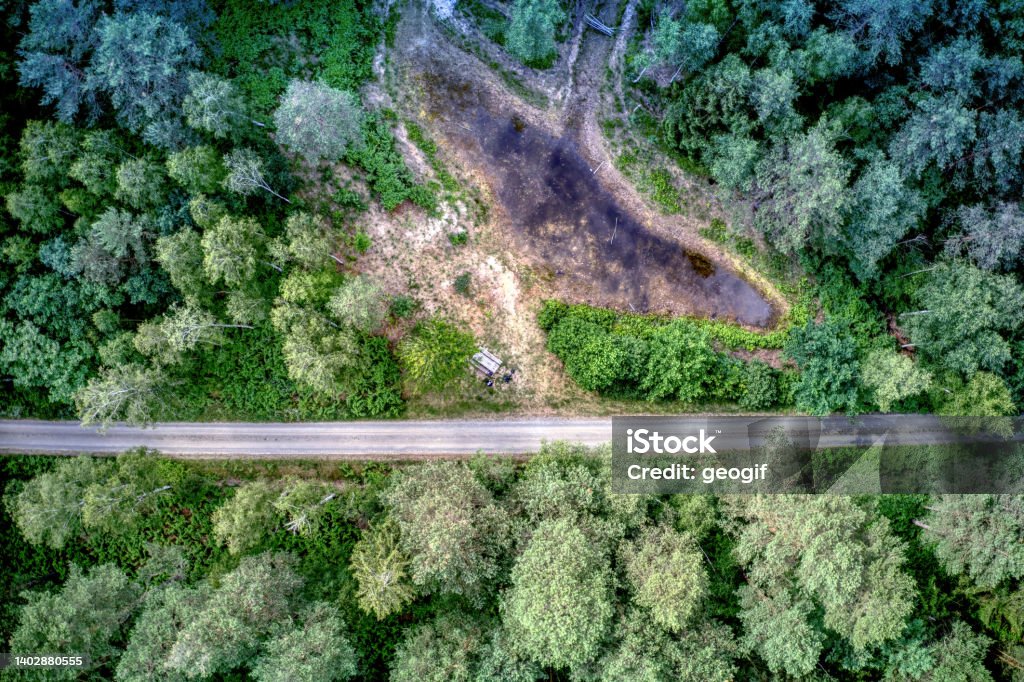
(565, 221)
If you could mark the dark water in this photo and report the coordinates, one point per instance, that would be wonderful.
(597, 251)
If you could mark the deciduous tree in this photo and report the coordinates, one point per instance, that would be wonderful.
(683, 45)
(316, 121)
(48, 510)
(214, 105)
(244, 520)
(665, 569)
(231, 250)
(380, 568)
(54, 55)
(559, 606)
(965, 316)
(978, 535)
(127, 392)
(318, 650)
(245, 174)
(680, 358)
(804, 553)
(940, 131)
(360, 303)
(37, 209)
(86, 616)
(992, 236)
(449, 527)
(640, 650)
(37, 361)
(893, 377)
(881, 28)
(198, 169)
(443, 650)
(307, 240)
(828, 364)
(246, 607)
(46, 150)
(165, 613)
(181, 256)
(801, 191)
(531, 31)
(883, 210)
(140, 183)
(140, 62)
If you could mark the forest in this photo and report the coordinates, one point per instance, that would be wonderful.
(496, 570)
(171, 196)
(197, 198)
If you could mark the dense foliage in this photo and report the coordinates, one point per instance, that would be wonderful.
(658, 359)
(880, 145)
(492, 570)
(157, 258)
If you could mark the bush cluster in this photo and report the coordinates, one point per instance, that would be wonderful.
(652, 358)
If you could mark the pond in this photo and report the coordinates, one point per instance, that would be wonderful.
(564, 220)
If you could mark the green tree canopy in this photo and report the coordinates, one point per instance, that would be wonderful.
(197, 169)
(125, 392)
(231, 250)
(965, 316)
(245, 519)
(806, 553)
(559, 607)
(639, 650)
(449, 527)
(249, 604)
(443, 650)
(318, 650)
(666, 571)
(893, 377)
(213, 105)
(140, 62)
(978, 535)
(828, 368)
(380, 568)
(85, 616)
(801, 191)
(316, 121)
(531, 32)
(53, 53)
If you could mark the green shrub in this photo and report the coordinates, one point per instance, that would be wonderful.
(596, 359)
(463, 283)
(760, 386)
(403, 306)
(362, 242)
(385, 168)
(717, 231)
(676, 357)
(458, 238)
(350, 199)
(377, 393)
(435, 354)
(551, 312)
(419, 138)
(664, 191)
(261, 46)
(680, 364)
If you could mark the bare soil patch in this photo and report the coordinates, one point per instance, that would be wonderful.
(561, 220)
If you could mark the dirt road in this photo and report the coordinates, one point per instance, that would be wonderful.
(337, 440)
(402, 439)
